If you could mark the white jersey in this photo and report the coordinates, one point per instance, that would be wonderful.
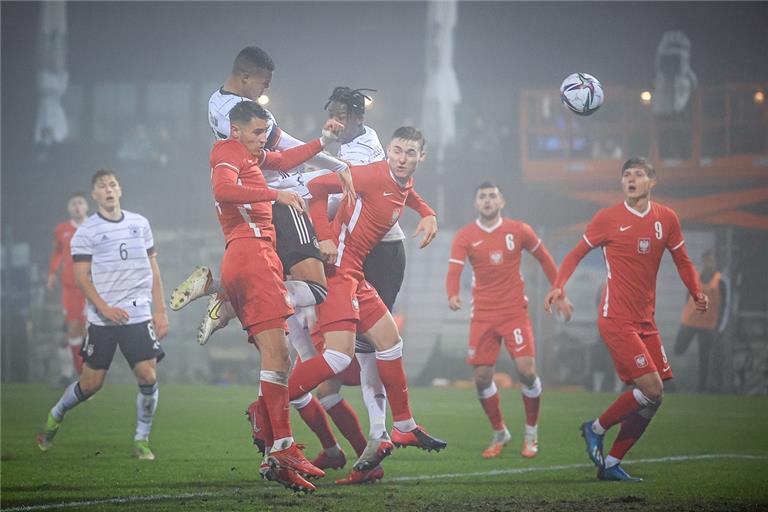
(219, 105)
(364, 149)
(120, 269)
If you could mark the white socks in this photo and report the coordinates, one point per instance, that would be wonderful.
(374, 394)
(146, 406)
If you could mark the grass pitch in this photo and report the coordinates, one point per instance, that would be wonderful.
(700, 453)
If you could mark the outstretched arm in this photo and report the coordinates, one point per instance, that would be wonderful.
(226, 189)
(290, 158)
(567, 268)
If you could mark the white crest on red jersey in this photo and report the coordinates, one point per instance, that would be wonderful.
(643, 245)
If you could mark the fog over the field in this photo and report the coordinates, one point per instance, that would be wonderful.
(140, 75)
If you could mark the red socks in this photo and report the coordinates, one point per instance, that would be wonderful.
(313, 415)
(632, 428)
(393, 377)
(275, 398)
(345, 418)
(306, 376)
(531, 409)
(618, 410)
(492, 409)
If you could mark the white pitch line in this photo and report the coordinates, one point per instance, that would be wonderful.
(495, 472)
(519, 471)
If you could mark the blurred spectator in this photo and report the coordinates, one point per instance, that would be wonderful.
(707, 327)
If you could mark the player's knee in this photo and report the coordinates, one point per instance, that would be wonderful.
(649, 395)
(483, 377)
(528, 378)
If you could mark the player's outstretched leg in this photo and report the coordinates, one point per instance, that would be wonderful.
(217, 315)
(199, 283)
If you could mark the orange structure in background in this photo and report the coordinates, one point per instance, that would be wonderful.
(719, 140)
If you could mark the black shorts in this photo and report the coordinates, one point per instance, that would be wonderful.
(296, 239)
(384, 268)
(137, 343)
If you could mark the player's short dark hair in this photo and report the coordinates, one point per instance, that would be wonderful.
(410, 133)
(243, 112)
(102, 173)
(354, 99)
(76, 194)
(252, 59)
(487, 184)
(639, 163)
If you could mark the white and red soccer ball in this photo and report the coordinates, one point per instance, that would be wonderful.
(581, 93)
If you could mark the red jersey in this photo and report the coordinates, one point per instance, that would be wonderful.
(357, 229)
(633, 244)
(495, 255)
(62, 236)
(243, 200)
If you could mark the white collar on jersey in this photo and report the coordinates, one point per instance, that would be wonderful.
(394, 178)
(490, 229)
(635, 212)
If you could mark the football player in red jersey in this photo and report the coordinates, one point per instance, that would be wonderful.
(252, 274)
(493, 245)
(633, 236)
(72, 298)
(353, 306)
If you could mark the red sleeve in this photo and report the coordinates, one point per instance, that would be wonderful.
(288, 159)
(597, 229)
(676, 246)
(456, 264)
(416, 203)
(226, 160)
(533, 244)
(569, 263)
(675, 239)
(55, 255)
(320, 188)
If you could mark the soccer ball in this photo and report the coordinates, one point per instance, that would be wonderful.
(581, 93)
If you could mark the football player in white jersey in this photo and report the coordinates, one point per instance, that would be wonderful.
(296, 241)
(384, 268)
(115, 265)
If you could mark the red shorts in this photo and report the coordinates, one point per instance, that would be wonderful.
(252, 276)
(73, 303)
(350, 300)
(487, 330)
(635, 348)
